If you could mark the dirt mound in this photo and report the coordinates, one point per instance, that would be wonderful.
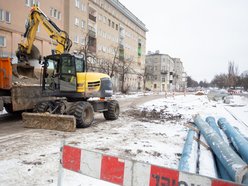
(199, 93)
(149, 115)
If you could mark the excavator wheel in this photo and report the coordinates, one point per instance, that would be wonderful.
(83, 112)
(44, 107)
(113, 110)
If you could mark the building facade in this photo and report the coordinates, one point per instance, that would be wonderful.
(107, 27)
(164, 73)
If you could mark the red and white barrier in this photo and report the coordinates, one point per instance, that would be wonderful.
(129, 172)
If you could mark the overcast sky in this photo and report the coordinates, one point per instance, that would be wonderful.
(205, 34)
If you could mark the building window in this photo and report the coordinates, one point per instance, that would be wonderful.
(139, 48)
(163, 79)
(84, 7)
(27, 2)
(155, 77)
(2, 41)
(113, 24)
(51, 12)
(76, 21)
(76, 39)
(100, 17)
(83, 23)
(1, 15)
(59, 15)
(109, 22)
(77, 3)
(82, 41)
(7, 17)
(116, 27)
(55, 13)
(104, 20)
(30, 3)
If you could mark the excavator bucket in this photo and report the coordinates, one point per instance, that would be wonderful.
(27, 63)
(23, 69)
(66, 123)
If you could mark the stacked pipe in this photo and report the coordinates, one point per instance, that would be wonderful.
(223, 174)
(236, 168)
(238, 141)
(188, 152)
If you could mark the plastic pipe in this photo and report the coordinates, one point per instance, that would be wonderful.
(234, 165)
(238, 141)
(188, 154)
(223, 174)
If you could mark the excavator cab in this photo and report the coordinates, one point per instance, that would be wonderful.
(60, 74)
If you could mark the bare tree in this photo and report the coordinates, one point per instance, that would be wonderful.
(118, 66)
(145, 75)
(221, 81)
(124, 68)
(109, 66)
(88, 49)
(232, 74)
(191, 82)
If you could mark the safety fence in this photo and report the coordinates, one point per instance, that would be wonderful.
(129, 172)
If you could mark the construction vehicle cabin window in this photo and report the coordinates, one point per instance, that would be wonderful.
(79, 64)
(68, 66)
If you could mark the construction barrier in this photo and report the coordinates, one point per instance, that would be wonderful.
(129, 172)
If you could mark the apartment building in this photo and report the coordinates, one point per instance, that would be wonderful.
(164, 73)
(107, 27)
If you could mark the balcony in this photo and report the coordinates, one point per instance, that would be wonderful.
(92, 44)
(91, 31)
(121, 54)
(92, 17)
(164, 72)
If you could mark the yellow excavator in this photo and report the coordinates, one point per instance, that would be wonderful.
(66, 88)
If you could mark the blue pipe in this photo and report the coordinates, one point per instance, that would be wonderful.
(211, 121)
(237, 129)
(223, 174)
(239, 142)
(234, 165)
(187, 151)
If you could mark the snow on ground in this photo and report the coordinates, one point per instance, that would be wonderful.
(3, 112)
(153, 132)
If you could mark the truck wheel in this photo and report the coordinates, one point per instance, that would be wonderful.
(44, 107)
(83, 112)
(113, 110)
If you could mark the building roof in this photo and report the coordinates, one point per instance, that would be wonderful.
(120, 7)
(158, 54)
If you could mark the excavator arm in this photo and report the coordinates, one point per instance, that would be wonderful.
(36, 18)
